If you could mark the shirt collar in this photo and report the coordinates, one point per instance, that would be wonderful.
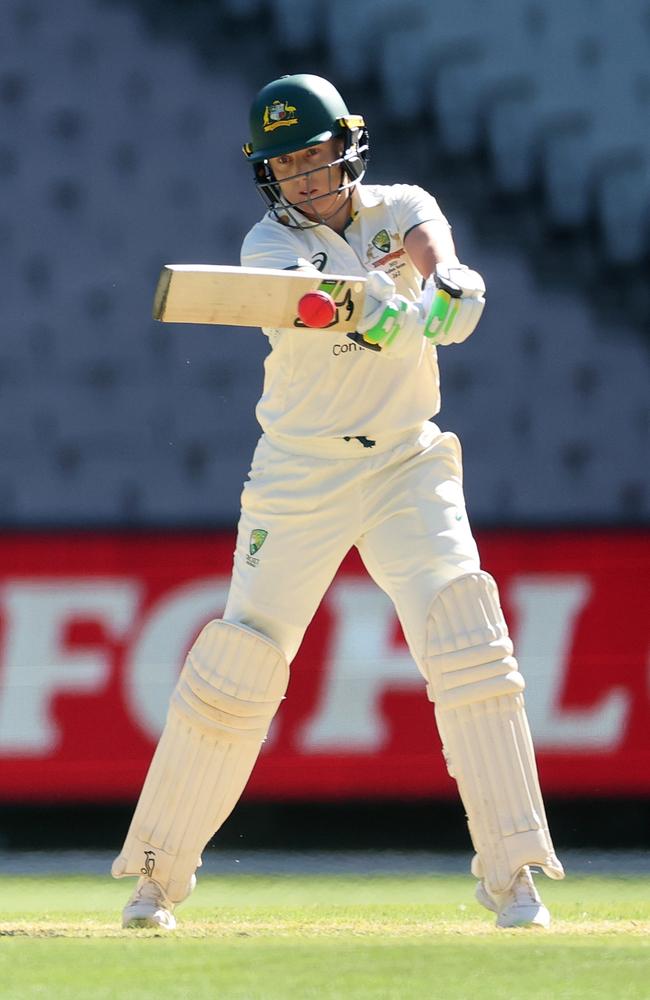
(364, 196)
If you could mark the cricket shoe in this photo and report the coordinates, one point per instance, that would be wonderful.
(150, 907)
(519, 906)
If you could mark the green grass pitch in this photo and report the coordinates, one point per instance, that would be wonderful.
(325, 937)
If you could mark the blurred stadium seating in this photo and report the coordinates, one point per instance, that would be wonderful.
(120, 151)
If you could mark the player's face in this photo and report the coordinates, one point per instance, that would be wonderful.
(309, 178)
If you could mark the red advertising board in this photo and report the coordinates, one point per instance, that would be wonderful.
(94, 629)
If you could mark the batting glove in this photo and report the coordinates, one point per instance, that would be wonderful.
(452, 302)
(389, 321)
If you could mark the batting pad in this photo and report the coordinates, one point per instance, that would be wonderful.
(476, 686)
(229, 690)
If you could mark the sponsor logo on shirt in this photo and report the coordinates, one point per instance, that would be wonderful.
(348, 348)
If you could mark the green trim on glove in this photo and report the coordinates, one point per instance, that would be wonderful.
(387, 326)
(443, 312)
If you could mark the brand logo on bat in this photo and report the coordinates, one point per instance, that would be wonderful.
(343, 300)
(279, 113)
(258, 537)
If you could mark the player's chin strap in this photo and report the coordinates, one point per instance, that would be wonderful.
(476, 686)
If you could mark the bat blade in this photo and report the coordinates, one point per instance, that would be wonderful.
(251, 296)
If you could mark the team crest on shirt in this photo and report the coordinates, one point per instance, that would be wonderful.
(383, 247)
(279, 113)
(257, 539)
(381, 241)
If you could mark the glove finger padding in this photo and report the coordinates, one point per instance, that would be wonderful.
(453, 301)
(459, 280)
(389, 320)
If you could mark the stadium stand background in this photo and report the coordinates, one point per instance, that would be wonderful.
(120, 132)
(121, 123)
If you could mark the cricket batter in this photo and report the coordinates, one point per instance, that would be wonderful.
(349, 457)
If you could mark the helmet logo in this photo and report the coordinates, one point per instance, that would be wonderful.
(279, 113)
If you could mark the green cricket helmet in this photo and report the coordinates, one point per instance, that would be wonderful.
(296, 112)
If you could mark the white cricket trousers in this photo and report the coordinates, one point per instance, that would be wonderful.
(400, 503)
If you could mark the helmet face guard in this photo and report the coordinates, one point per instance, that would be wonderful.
(342, 174)
(293, 113)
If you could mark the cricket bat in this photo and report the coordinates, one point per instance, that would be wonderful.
(257, 296)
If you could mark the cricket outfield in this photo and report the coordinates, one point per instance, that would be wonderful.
(326, 936)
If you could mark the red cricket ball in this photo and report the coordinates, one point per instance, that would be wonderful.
(317, 309)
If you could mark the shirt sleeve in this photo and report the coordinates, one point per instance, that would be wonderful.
(413, 205)
(270, 244)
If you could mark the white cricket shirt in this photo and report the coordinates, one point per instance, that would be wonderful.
(320, 384)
